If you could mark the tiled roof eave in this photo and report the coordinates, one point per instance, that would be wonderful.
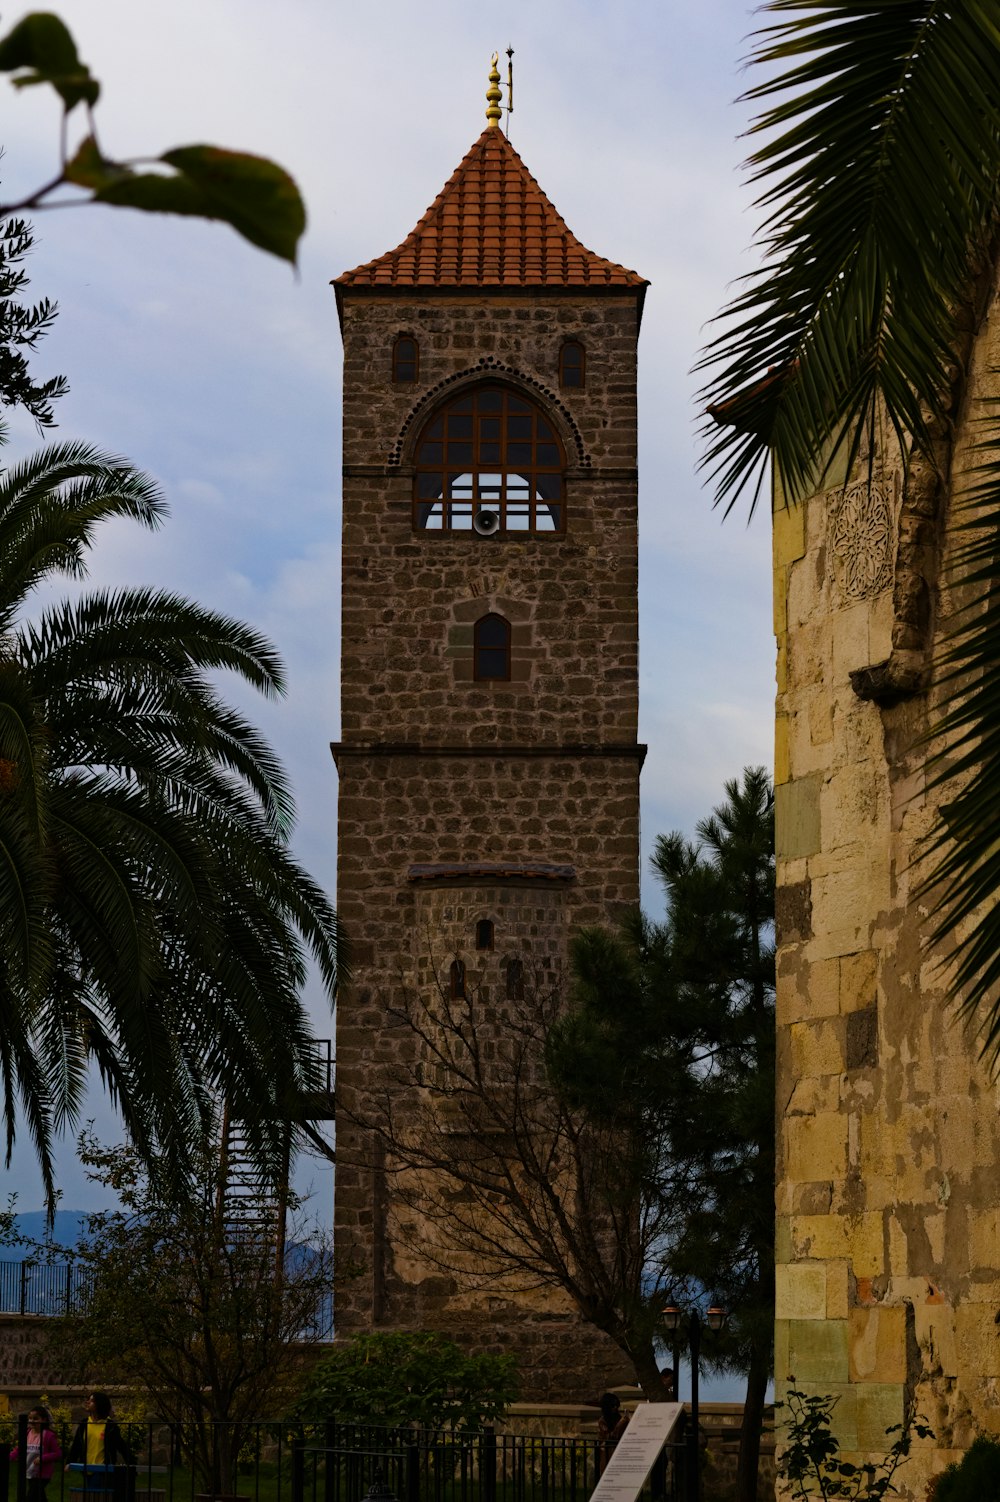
(399, 290)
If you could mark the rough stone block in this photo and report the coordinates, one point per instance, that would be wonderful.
(865, 1243)
(977, 1338)
(816, 1146)
(818, 1348)
(797, 817)
(837, 1290)
(817, 1048)
(858, 980)
(789, 533)
(984, 1240)
(850, 641)
(879, 1407)
(822, 1236)
(800, 1291)
(878, 1344)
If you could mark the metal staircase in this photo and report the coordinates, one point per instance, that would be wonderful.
(253, 1207)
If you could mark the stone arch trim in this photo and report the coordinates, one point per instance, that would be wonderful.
(474, 375)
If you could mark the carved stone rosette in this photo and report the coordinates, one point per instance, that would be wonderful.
(862, 534)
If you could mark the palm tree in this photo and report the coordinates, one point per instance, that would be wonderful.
(152, 920)
(879, 174)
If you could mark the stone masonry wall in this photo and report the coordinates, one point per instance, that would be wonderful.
(888, 1200)
(435, 767)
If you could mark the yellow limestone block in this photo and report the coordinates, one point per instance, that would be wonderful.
(816, 1049)
(836, 1290)
(866, 1245)
(822, 1236)
(878, 1345)
(782, 771)
(978, 1348)
(818, 1349)
(781, 664)
(984, 1240)
(935, 1329)
(817, 1146)
(800, 1291)
(789, 534)
(858, 978)
(822, 990)
(880, 1405)
(780, 601)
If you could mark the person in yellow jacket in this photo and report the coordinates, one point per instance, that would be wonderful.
(98, 1441)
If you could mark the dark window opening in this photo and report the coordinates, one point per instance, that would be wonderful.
(456, 980)
(515, 980)
(489, 462)
(572, 364)
(405, 359)
(491, 650)
(484, 933)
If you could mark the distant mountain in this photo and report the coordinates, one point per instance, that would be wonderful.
(68, 1228)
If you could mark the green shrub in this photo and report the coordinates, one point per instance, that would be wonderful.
(975, 1478)
(418, 1378)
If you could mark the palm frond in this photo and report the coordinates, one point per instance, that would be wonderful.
(879, 185)
(963, 851)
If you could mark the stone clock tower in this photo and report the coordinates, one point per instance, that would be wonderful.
(489, 769)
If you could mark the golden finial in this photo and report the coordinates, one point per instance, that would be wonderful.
(493, 110)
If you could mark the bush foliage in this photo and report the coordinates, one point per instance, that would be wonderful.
(975, 1477)
(409, 1378)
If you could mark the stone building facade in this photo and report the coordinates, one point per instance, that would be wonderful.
(488, 766)
(888, 1200)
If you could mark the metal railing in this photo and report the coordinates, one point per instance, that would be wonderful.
(60, 1288)
(356, 1462)
(31, 1287)
(287, 1462)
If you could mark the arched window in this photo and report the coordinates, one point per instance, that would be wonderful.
(405, 359)
(572, 364)
(491, 650)
(515, 980)
(484, 933)
(456, 981)
(492, 460)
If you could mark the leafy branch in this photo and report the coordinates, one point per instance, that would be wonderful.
(252, 194)
(810, 1459)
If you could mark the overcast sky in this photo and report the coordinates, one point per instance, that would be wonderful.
(217, 369)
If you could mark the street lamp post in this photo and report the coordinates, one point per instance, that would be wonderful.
(715, 1318)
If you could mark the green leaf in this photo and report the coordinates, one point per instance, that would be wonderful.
(254, 195)
(42, 44)
(89, 169)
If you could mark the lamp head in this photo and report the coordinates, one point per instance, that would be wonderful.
(671, 1317)
(716, 1317)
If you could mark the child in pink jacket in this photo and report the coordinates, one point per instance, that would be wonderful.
(41, 1453)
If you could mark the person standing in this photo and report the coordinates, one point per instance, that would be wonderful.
(99, 1441)
(42, 1450)
(610, 1426)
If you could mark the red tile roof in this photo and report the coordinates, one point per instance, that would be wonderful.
(491, 226)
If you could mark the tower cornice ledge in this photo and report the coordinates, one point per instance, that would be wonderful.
(493, 749)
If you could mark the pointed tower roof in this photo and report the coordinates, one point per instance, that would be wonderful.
(491, 226)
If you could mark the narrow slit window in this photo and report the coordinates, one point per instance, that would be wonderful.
(491, 650)
(515, 980)
(572, 363)
(484, 933)
(456, 980)
(405, 360)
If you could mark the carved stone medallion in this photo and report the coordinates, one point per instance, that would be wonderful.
(862, 534)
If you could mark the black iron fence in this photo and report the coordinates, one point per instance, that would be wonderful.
(41, 1288)
(55, 1288)
(282, 1462)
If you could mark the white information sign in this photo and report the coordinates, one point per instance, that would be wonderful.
(632, 1459)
